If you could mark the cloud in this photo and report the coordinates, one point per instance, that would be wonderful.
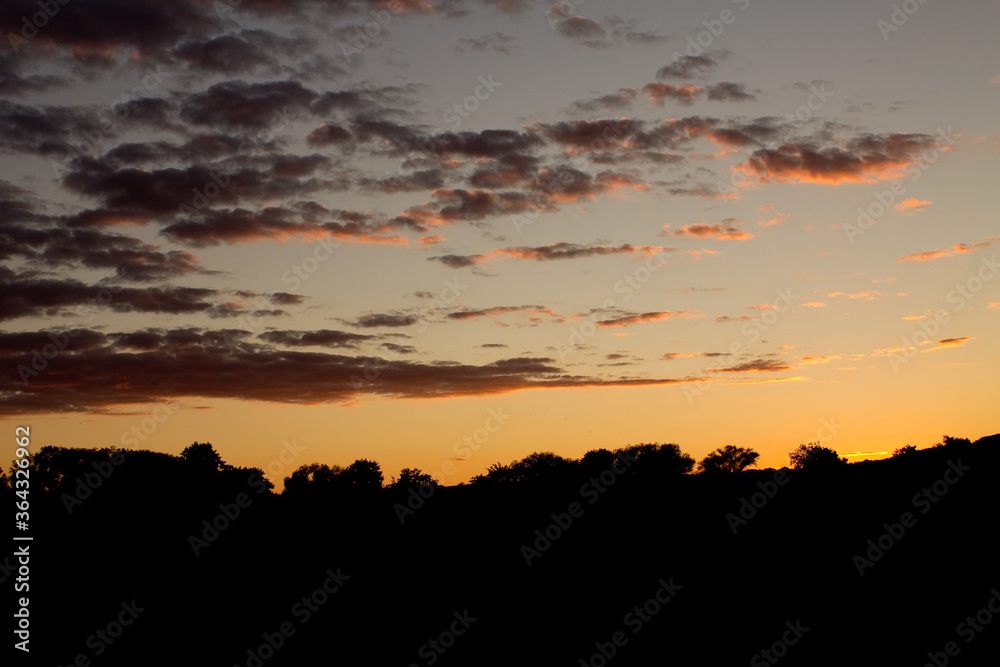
(950, 342)
(601, 34)
(956, 249)
(379, 320)
(689, 67)
(658, 92)
(627, 320)
(157, 365)
(534, 313)
(553, 251)
(722, 232)
(321, 338)
(495, 41)
(619, 101)
(755, 366)
(911, 203)
(727, 91)
(865, 159)
(776, 220)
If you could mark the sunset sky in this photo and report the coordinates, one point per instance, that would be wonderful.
(380, 229)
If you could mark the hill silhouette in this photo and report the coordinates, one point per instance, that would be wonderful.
(622, 557)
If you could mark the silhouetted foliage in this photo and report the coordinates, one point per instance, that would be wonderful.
(948, 441)
(203, 457)
(312, 479)
(813, 456)
(412, 477)
(540, 466)
(362, 474)
(729, 459)
(904, 451)
(465, 539)
(659, 460)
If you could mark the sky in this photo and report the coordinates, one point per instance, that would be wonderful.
(448, 234)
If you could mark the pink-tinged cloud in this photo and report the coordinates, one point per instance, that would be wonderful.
(956, 249)
(659, 92)
(627, 320)
(865, 159)
(431, 240)
(776, 220)
(721, 232)
(911, 203)
(814, 304)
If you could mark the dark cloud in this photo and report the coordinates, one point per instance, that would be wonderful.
(755, 366)
(328, 134)
(638, 318)
(864, 159)
(658, 92)
(380, 320)
(154, 365)
(623, 99)
(495, 41)
(689, 67)
(320, 338)
(133, 196)
(554, 251)
(240, 105)
(726, 91)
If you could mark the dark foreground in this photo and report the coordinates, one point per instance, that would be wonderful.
(882, 563)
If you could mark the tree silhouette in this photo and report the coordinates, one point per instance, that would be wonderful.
(540, 466)
(203, 457)
(312, 479)
(948, 441)
(813, 456)
(412, 477)
(662, 460)
(362, 474)
(904, 451)
(728, 459)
